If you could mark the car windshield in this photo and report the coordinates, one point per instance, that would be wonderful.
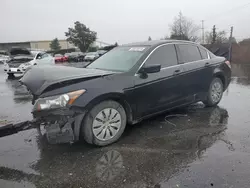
(58, 55)
(119, 59)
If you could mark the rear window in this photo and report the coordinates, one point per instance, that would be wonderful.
(189, 53)
(203, 53)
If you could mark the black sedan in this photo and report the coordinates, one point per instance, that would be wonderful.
(126, 85)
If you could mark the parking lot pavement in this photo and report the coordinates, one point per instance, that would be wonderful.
(191, 147)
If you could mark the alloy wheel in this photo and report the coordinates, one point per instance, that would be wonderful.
(216, 91)
(106, 124)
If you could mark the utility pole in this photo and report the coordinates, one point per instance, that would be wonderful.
(180, 17)
(203, 35)
(214, 35)
(230, 44)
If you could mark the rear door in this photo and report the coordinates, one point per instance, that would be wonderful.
(162, 90)
(197, 70)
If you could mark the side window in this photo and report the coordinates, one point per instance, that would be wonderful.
(203, 53)
(45, 55)
(39, 56)
(164, 55)
(189, 53)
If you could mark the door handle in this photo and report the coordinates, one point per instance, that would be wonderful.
(177, 71)
(207, 64)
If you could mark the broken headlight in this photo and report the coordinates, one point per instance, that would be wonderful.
(58, 101)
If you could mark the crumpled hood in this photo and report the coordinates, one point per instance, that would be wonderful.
(37, 79)
(19, 51)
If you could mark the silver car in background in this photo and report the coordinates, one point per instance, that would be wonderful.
(91, 56)
(21, 59)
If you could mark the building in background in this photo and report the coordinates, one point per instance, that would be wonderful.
(8, 45)
(44, 45)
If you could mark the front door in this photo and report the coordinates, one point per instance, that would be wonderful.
(159, 91)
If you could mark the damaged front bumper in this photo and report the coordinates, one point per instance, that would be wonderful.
(61, 125)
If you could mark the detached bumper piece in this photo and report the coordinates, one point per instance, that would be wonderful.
(10, 129)
(62, 126)
(60, 132)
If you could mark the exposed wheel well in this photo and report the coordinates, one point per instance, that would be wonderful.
(222, 78)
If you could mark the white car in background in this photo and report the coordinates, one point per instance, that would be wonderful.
(22, 59)
(3, 57)
(91, 56)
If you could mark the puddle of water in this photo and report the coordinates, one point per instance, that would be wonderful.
(206, 147)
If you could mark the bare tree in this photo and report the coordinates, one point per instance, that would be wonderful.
(215, 37)
(184, 29)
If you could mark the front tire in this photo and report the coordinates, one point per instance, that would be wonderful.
(215, 93)
(104, 123)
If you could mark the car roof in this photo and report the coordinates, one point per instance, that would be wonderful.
(157, 42)
(35, 52)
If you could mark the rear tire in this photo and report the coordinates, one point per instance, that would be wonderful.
(215, 92)
(104, 123)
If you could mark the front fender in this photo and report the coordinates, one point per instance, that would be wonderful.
(90, 99)
(86, 103)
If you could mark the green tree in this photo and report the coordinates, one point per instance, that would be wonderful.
(149, 38)
(55, 45)
(183, 28)
(81, 36)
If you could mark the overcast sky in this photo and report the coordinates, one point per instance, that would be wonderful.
(121, 21)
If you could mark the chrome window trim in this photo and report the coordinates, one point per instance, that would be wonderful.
(208, 55)
(170, 67)
(136, 74)
(151, 54)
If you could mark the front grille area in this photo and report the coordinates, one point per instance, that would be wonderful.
(14, 65)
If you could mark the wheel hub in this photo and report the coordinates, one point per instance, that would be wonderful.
(216, 92)
(106, 124)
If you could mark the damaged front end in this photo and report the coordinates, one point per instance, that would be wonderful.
(54, 99)
(61, 122)
(61, 125)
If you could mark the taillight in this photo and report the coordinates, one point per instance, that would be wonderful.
(228, 64)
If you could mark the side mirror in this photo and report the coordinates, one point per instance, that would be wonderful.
(150, 69)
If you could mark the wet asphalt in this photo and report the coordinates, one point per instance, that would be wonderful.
(190, 147)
